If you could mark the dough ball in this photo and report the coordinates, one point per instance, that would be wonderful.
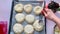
(38, 26)
(28, 29)
(57, 29)
(20, 17)
(18, 28)
(59, 32)
(19, 7)
(37, 10)
(56, 32)
(30, 18)
(28, 8)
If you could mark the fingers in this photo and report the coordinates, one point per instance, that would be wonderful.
(46, 10)
(46, 6)
(44, 13)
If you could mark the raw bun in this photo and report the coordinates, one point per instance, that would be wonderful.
(56, 32)
(19, 7)
(37, 10)
(28, 29)
(20, 17)
(18, 28)
(57, 29)
(38, 26)
(30, 18)
(28, 8)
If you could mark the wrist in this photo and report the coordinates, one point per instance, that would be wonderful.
(55, 18)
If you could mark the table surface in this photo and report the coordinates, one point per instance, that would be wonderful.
(5, 9)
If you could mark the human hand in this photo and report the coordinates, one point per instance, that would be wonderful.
(48, 13)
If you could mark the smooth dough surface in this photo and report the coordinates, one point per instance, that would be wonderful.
(28, 29)
(38, 26)
(37, 10)
(28, 8)
(30, 18)
(20, 17)
(18, 28)
(19, 7)
(56, 33)
(57, 29)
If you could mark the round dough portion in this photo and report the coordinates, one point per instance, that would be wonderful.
(57, 29)
(19, 7)
(20, 17)
(38, 26)
(28, 29)
(30, 18)
(18, 28)
(37, 10)
(56, 33)
(28, 8)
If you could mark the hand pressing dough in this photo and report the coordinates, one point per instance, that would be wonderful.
(19, 7)
(38, 26)
(28, 29)
(37, 10)
(20, 17)
(28, 8)
(18, 28)
(30, 18)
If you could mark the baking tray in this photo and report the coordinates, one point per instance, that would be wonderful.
(13, 13)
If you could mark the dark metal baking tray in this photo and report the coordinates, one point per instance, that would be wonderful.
(13, 13)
